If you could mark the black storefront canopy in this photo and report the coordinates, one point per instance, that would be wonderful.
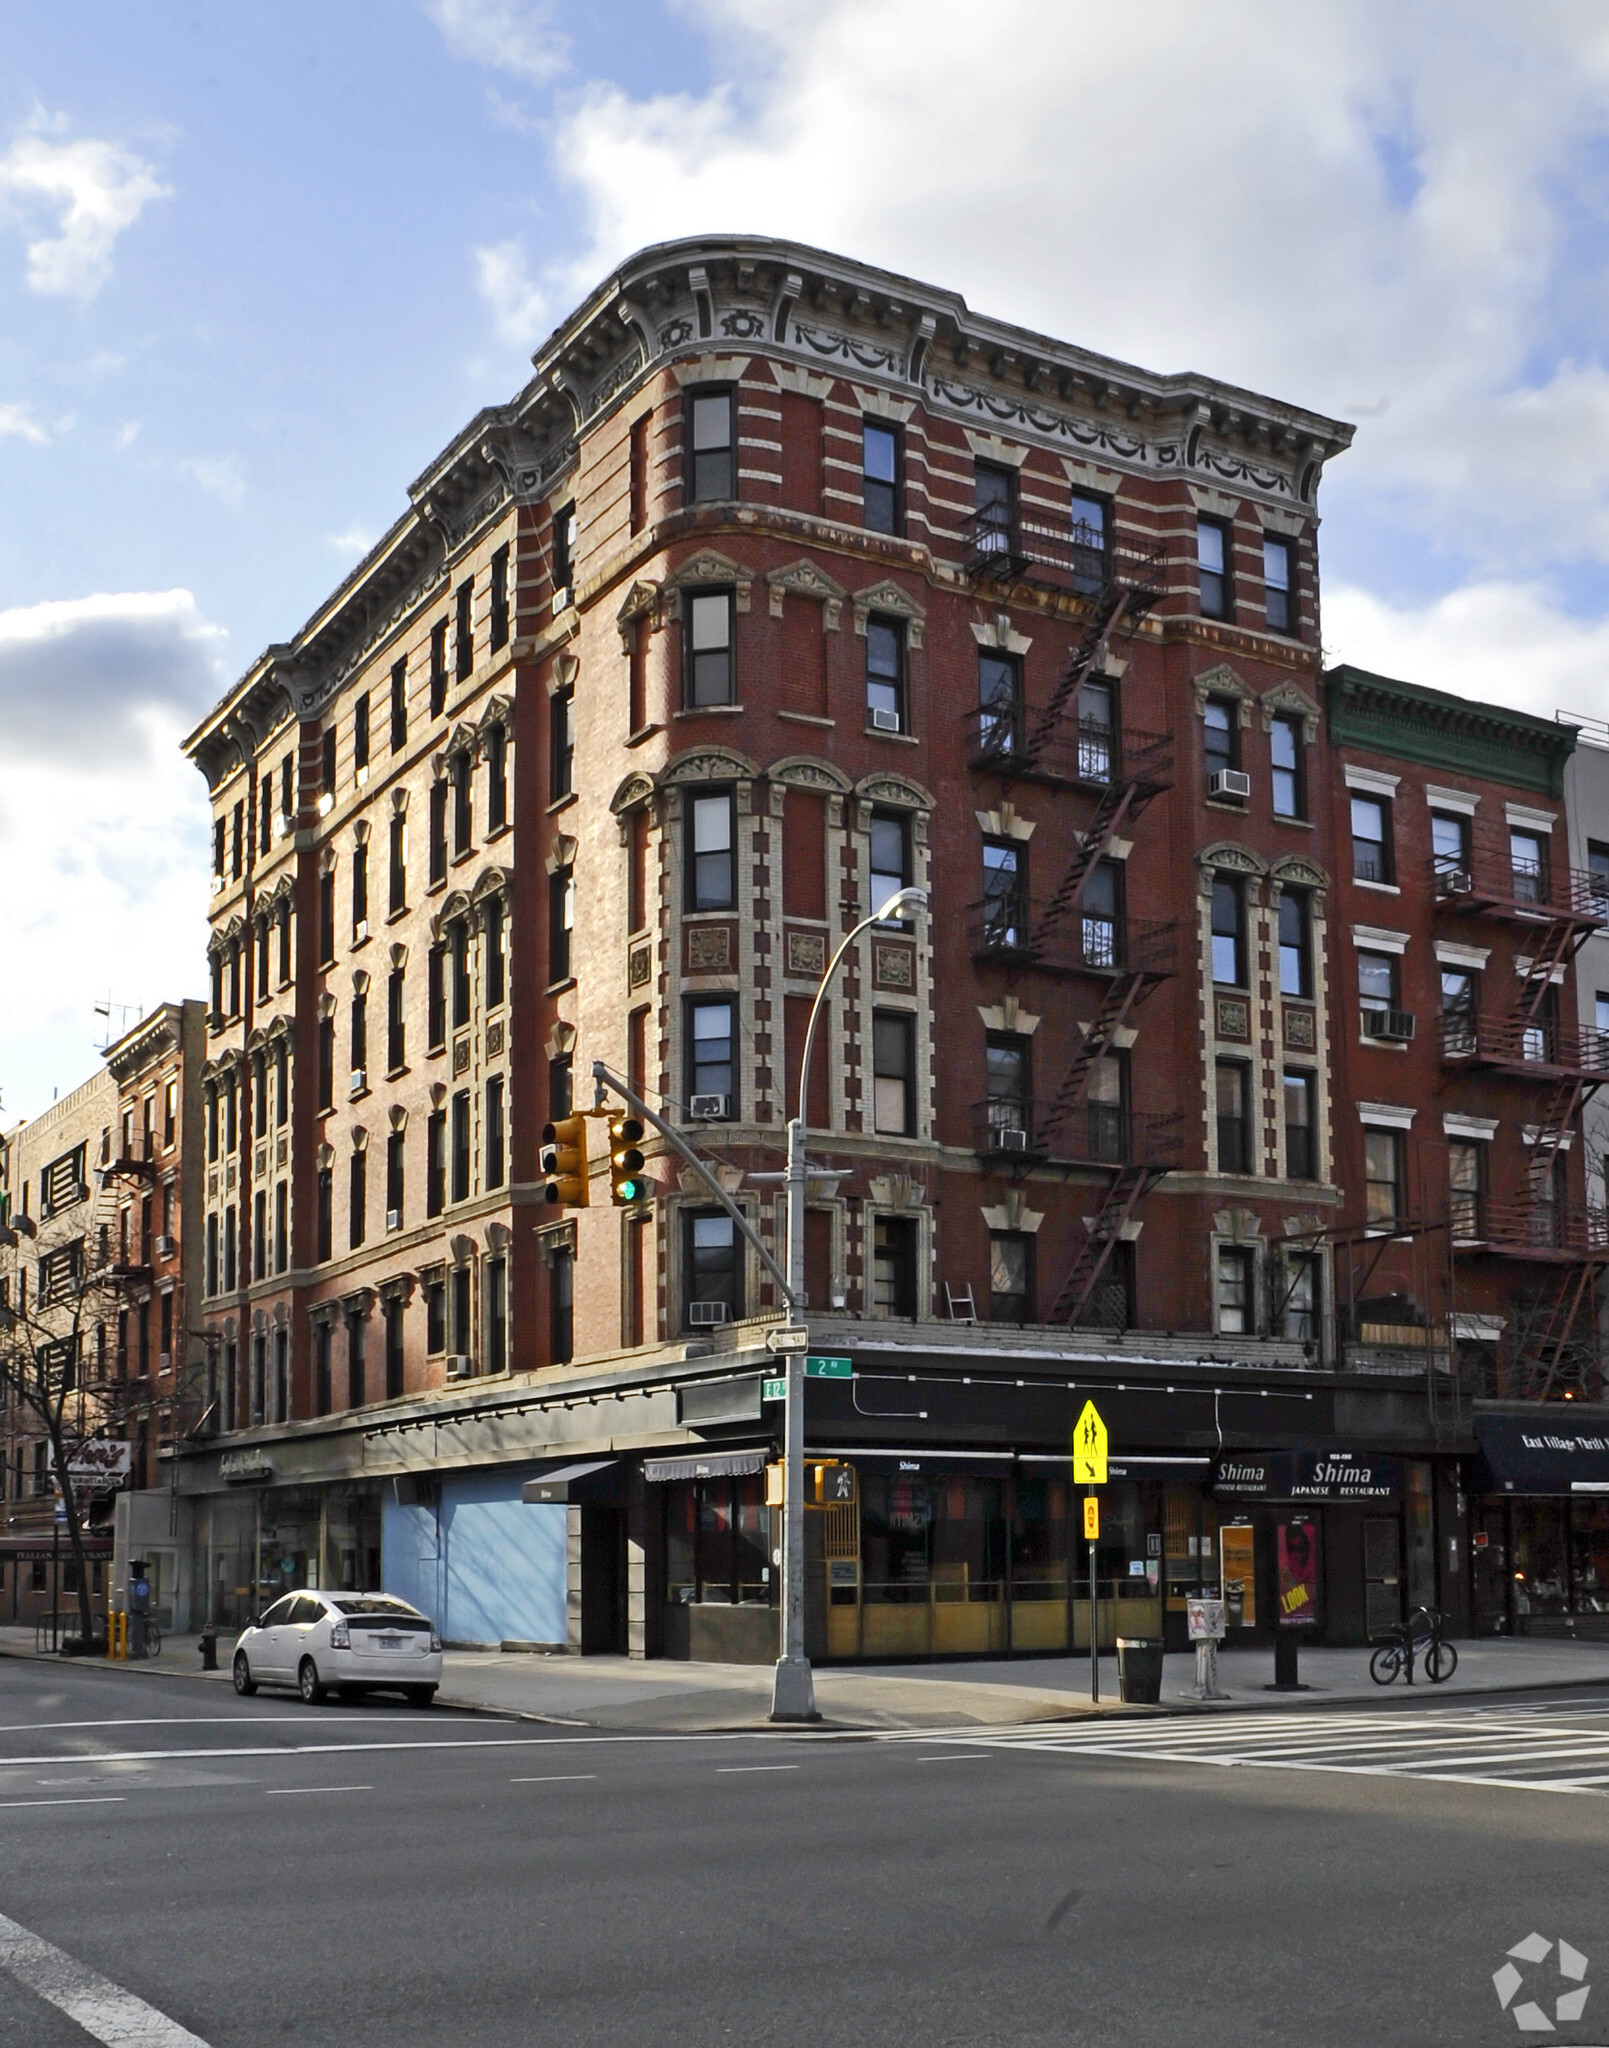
(1548, 1453)
(1306, 1475)
(713, 1465)
(597, 1480)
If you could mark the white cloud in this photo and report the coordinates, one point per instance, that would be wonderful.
(18, 423)
(1333, 205)
(219, 477)
(513, 35)
(127, 435)
(356, 540)
(94, 189)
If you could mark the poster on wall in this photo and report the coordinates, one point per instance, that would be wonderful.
(1237, 1560)
(1296, 1556)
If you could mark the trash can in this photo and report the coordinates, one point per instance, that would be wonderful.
(1139, 1670)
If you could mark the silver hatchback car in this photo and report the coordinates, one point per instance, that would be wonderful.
(353, 1642)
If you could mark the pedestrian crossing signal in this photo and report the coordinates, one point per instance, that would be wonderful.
(1092, 1519)
(564, 1162)
(628, 1183)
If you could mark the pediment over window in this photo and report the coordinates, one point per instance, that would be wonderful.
(883, 788)
(1291, 701)
(708, 764)
(889, 599)
(636, 789)
(804, 579)
(1222, 681)
(806, 771)
(711, 566)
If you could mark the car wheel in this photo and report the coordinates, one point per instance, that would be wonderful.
(245, 1684)
(309, 1684)
(420, 1695)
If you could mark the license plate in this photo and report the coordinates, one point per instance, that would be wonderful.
(391, 1642)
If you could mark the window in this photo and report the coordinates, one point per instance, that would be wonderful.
(438, 668)
(356, 1331)
(1459, 1001)
(1011, 1277)
(438, 831)
(357, 1186)
(1106, 1108)
(999, 703)
(1295, 949)
(495, 1142)
(1299, 1318)
(399, 705)
(1528, 859)
(710, 1065)
(1285, 748)
(1098, 915)
(1005, 892)
(1301, 1125)
(210, 1101)
(396, 1026)
(496, 778)
(1220, 735)
(321, 1367)
(496, 958)
(259, 1095)
(1236, 1309)
(1089, 544)
(284, 942)
(499, 608)
(460, 1152)
(397, 899)
(893, 1073)
(360, 1038)
(1382, 1176)
(1212, 547)
(170, 1112)
(710, 1285)
(328, 760)
(1228, 933)
(497, 1315)
(1097, 720)
(1598, 876)
(393, 1312)
(262, 957)
(396, 1154)
(265, 812)
(436, 998)
(1465, 1163)
(994, 506)
(639, 472)
(287, 787)
(890, 861)
(220, 855)
(237, 822)
(885, 675)
(561, 922)
(1449, 848)
(712, 469)
(1377, 989)
(894, 1266)
(1008, 1081)
(326, 1063)
(282, 1199)
(1233, 1088)
(1371, 838)
(435, 1315)
(711, 870)
(326, 917)
(561, 1085)
(360, 733)
(565, 529)
(458, 952)
(463, 774)
(436, 1162)
(709, 678)
(880, 467)
(561, 743)
(324, 1215)
(1278, 607)
(62, 1184)
(360, 891)
(464, 630)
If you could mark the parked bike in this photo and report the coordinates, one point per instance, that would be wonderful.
(1418, 1639)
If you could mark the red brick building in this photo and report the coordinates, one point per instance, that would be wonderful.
(784, 583)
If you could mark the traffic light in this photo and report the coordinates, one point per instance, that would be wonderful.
(564, 1162)
(628, 1184)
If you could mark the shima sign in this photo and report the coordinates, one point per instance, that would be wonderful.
(1306, 1475)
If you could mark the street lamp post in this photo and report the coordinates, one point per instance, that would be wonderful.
(793, 1693)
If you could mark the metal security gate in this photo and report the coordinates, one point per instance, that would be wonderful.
(1382, 1573)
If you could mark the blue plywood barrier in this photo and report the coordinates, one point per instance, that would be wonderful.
(486, 1567)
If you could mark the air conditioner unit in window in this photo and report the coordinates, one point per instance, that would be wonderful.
(1229, 785)
(360, 931)
(561, 602)
(460, 1366)
(164, 1247)
(883, 720)
(701, 1314)
(360, 1081)
(1011, 1141)
(164, 1361)
(1454, 882)
(393, 1219)
(1396, 1025)
(710, 1106)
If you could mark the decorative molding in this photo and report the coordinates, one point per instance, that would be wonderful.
(1447, 732)
(1222, 681)
(1291, 700)
(881, 787)
(804, 579)
(807, 383)
(1005, 823)
(883, 405)
(887, 597)
(1013, 1214)
(1008, 1015)
(707, 764)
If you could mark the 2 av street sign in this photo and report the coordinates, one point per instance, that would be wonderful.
(829, 1368)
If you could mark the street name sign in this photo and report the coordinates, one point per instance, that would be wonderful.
(830, 1368)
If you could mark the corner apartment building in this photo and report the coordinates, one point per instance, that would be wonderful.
(785, 582)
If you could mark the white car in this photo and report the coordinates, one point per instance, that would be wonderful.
(356, 1642)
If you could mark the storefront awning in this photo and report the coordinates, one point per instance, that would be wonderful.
(712, 1465)
(1306, 1475)
(1550, 1453)
(593, 1480)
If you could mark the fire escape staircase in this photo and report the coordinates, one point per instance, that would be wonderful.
(1124, 1195)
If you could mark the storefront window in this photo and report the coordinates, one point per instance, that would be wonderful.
(1589, 1568)
(717, 1543)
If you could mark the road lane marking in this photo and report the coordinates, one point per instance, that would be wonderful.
(104, 2010)
(970, 1756)
(561, 1778)
(727, 1770)
(303, 1791)
(101, 1799)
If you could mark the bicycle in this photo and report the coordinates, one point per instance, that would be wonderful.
(1419, 1637)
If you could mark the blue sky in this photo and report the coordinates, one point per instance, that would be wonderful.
(258, 262)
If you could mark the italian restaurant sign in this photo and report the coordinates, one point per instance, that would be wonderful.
(1306, 1475)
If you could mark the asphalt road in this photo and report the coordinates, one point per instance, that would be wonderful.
(260, 1872)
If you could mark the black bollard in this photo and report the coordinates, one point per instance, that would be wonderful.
(209, 1648)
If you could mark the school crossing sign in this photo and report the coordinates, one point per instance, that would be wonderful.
(1090, 1442)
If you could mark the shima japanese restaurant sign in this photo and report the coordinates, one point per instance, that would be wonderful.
(1306, 1475)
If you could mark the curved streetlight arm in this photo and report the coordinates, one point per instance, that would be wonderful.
(915, 899)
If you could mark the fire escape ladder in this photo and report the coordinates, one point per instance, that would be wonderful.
(1556, 945)
(1120, 804)
(1542, 1368)
(1120, 997)
(1109, 609)
(1557, 1114)
(1119, 1202)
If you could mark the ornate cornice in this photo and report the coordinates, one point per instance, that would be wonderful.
(1429, 726)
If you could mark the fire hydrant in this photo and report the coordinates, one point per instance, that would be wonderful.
(209, 1648)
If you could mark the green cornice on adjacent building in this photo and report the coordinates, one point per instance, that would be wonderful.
(1446, 732)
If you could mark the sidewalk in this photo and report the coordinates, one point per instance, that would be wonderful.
(664, 1696)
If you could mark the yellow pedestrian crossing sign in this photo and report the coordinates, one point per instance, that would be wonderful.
(1089, 1448)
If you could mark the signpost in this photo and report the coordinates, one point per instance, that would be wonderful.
(1090, 1444)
